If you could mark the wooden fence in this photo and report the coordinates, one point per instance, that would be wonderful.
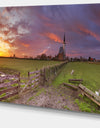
(91, 95)
(7, 89)
(4, 77)
(84, 91)
(33, 78)
(39, 77)
(48, 74)
(75, 80)
(71, 86)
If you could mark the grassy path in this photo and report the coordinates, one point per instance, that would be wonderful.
(50, 97)
(58, 98)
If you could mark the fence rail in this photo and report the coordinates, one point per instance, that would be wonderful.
(34, 72)
(8, 77)
(71, 86)
(3, 85)
(75, 80)
(8, 89)
(9, 92)
(89, 92)
(8, 96)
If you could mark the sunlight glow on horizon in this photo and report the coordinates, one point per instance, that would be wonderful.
(4, 48)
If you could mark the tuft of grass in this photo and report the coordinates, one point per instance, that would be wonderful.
(83, 106)
(22, 86)
(31, 98)
(2, 95)
(87, 105)
(66, 107)
(11, 98)
(80, 95)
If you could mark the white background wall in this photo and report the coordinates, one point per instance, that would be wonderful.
(19, 116)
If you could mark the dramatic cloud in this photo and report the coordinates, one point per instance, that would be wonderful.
(25, 45)
(44, 51)
(53, 37)
(85, 31)
(32, 31)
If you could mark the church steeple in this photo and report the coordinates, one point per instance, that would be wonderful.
(64, 43)
(64, 39)
(62, 50)
(64, 47)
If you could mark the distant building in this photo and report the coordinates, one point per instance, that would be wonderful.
(62, 52)
(91, 59)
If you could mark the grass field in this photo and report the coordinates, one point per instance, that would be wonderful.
(89, 72)
(8, 65)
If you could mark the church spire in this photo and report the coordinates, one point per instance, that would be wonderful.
(64, 39)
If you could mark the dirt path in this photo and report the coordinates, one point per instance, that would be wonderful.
(50, 97)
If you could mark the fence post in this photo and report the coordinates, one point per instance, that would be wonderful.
(18, 83)
(44, 77)
(28, 78)
(40, 77)
(37, 77)
(28, 75)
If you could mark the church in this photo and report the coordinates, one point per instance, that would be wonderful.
(62, 52)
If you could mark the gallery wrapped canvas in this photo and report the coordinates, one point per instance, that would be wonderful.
(50, 56)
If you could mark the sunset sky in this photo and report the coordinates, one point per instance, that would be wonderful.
(35, 30)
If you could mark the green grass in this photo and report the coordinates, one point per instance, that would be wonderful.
(66, 107)
(9, 65)
(39, 91)
(87, 105)
(2, 95)
(10, 99)
(90, 73)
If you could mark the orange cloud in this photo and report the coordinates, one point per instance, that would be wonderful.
(89, 32)
(44, 51)
(43, 17)
(25, 45)
(54, 37)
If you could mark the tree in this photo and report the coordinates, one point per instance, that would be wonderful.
(89, 59)
(43, 57)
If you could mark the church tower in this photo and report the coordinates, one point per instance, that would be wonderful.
(62, 51)
(64, 47)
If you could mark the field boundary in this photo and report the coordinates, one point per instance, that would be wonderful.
(40, 77)
(48, 74)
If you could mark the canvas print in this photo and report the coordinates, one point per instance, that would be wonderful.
(50, 56)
